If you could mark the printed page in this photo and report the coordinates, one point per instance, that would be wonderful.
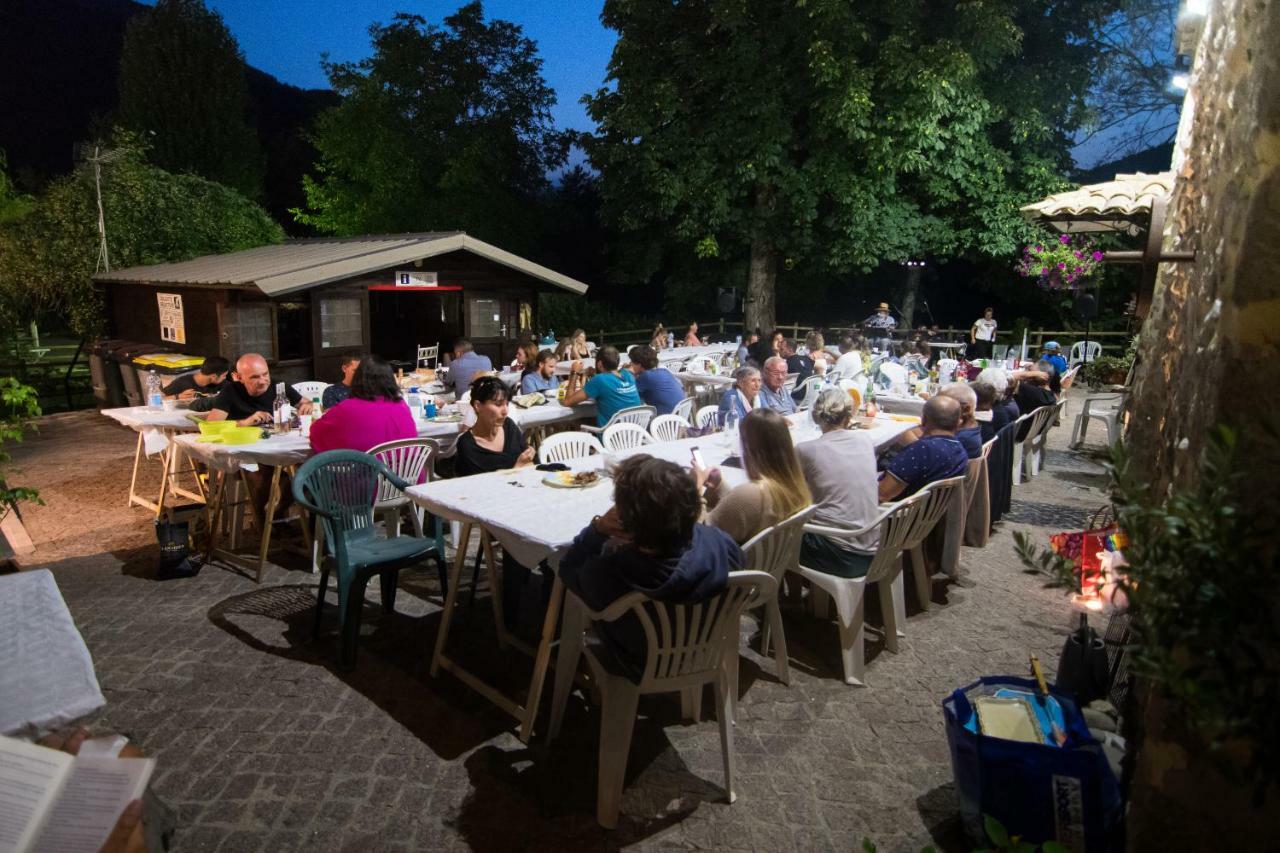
(30, 779)
(97, 791)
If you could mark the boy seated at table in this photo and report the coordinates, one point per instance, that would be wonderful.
(200, 387)
(649, 542)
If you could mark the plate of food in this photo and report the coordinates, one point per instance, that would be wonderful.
(446, 418)
(525, 401)
(573, 480)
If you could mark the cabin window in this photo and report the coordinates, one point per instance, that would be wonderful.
(341, 322)
(293, 330)
(248, 327)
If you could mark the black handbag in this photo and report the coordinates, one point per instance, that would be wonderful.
(1083, 669)
(175, 550)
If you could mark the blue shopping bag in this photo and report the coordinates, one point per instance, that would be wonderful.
(1040, 792)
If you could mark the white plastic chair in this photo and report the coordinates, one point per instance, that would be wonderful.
(688, 647)
(776, 551)
(428, 356)
(977, 517)
(789, 384)
(1082, 351)
(684, 409)
(1104, 407)
(638, 415)
(563, 446)
(939, 498)
(812, 387)
(667, 427)
(1028, 453)
(895, 524)
(707, 417)
(625, 436)
(895, 373)
(314, 388)
(947, 370)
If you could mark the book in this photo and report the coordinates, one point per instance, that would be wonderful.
(54, 802)
(1009, 718)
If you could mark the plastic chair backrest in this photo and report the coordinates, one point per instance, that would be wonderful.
(684, 409)
(700, 365)
(895, 528)
(1082, 351)
(625, 436)
(314, 388)
(665, 427)
(1041, 421)
(776, 550)
(936, 498)
(687, 642)
(563, 446)
(428, 354)
(895, 373)
(406, 458)
(708, 416)
(638, 415)
(812, 387)
(340, 486)
(789, 384)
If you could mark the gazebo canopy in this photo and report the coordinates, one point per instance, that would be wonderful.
(1123, 204)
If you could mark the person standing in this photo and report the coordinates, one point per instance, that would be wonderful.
(982, 337)
(880, 326)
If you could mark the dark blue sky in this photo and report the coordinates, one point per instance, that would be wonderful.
(285, 38)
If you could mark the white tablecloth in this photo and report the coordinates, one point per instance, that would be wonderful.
(535, 522)
(898, 404)
(670, 354)
(46, 673)
(152, 424)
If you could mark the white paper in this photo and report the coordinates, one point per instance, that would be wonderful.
(96, 793)
(30, 779)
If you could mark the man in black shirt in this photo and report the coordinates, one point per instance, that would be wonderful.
(249, 397)
(206, 381)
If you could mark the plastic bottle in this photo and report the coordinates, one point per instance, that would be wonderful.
(316, 409)
(155, 397)
(280, 414)
(414, 400)
(429, 411)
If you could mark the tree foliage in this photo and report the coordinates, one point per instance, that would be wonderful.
(834, 135)
(182, 79)
(443, 128)
(18, 405)
(13, 204)
(47, 258)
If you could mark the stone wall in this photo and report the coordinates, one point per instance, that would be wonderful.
(1210, 343)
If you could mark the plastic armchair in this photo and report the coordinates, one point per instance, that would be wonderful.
(428, 357)
(789, 383)
(563, 446)
(707, 417)
(638, 415)
(409, 459)
(940, 498)
(340, 487)
(812, 386)
(776, 551)
(977, 519)
(1104, 407)
(894, 523)
(1082, 351)
(314, 388)
(1033, 444)
(625, 436)
(667, 427)
(684, 409)
(687, 646)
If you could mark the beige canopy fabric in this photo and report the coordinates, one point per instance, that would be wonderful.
(1123, 204)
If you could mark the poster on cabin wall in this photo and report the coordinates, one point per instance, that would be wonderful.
(173, 327)
(416, 278)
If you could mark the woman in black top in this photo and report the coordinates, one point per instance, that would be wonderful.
(495, 442)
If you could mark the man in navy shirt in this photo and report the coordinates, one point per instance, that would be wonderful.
(657, 386)
(936, 455)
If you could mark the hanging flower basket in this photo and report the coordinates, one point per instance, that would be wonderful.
(1065, 264)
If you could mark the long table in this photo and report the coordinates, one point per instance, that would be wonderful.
(535, 522)
(156, 429)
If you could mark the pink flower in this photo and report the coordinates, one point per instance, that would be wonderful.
(1062, 265)
(1097, 256)
(1044, 271)
(1064, 239)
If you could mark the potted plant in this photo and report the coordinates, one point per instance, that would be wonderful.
(1063, 264)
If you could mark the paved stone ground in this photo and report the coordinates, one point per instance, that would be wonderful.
(263, 744)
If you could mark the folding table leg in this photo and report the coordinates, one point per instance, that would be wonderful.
(541, 660)
(571, 628)
(495, 589)
(273, 498)
(137, 463)
(442, 635)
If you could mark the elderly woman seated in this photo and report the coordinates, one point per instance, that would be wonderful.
(744, 396)
(840, 470)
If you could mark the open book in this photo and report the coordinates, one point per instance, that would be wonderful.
(60, 803)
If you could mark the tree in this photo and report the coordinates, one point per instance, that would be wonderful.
(829, 135)
(48, 257)
(13, 204)
(182, 78)
(443, 128)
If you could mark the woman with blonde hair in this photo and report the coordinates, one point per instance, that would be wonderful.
(817, 347)
(578, 345)
(659, 338)
(775, 490)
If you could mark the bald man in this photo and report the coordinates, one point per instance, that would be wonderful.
(936, 455)
(969, 434)
(249, 397)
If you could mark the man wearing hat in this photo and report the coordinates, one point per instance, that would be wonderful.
(880, 326)
(1053, 355)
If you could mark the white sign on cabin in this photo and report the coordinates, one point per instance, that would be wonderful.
(172, 325)
(416, 278)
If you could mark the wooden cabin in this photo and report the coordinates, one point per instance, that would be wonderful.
(305, 303)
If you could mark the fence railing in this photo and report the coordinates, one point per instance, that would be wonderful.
(1113, 343)
(45, 368)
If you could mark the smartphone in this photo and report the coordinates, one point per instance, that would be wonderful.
(697, 458)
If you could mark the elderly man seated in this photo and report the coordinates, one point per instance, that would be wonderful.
(936, 455)
(772, 391)
(969, 434)
(249, 398)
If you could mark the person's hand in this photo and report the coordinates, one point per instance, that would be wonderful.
(610, 525)
(525, 458)
(256, 419)
(714, 479)
(189, 394)
(127, 835)
(576, 367)
(68, 740)
(304, 406)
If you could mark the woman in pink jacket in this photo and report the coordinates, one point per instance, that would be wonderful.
(373, 414)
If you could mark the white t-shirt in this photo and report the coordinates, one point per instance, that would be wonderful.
(984, 329)
(849, 363)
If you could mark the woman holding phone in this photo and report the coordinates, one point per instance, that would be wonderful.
(775, 490)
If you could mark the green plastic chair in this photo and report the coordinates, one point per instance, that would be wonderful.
(340, 487)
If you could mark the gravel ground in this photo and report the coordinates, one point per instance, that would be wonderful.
(264, 744)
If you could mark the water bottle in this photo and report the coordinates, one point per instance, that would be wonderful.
(731, 428)
(280, 414)
(316, 410)
(155, 397)
(429, 411)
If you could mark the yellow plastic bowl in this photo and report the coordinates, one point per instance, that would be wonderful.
(216, 427)
(242, 435)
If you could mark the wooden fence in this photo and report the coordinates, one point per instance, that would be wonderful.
(1113, 343)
